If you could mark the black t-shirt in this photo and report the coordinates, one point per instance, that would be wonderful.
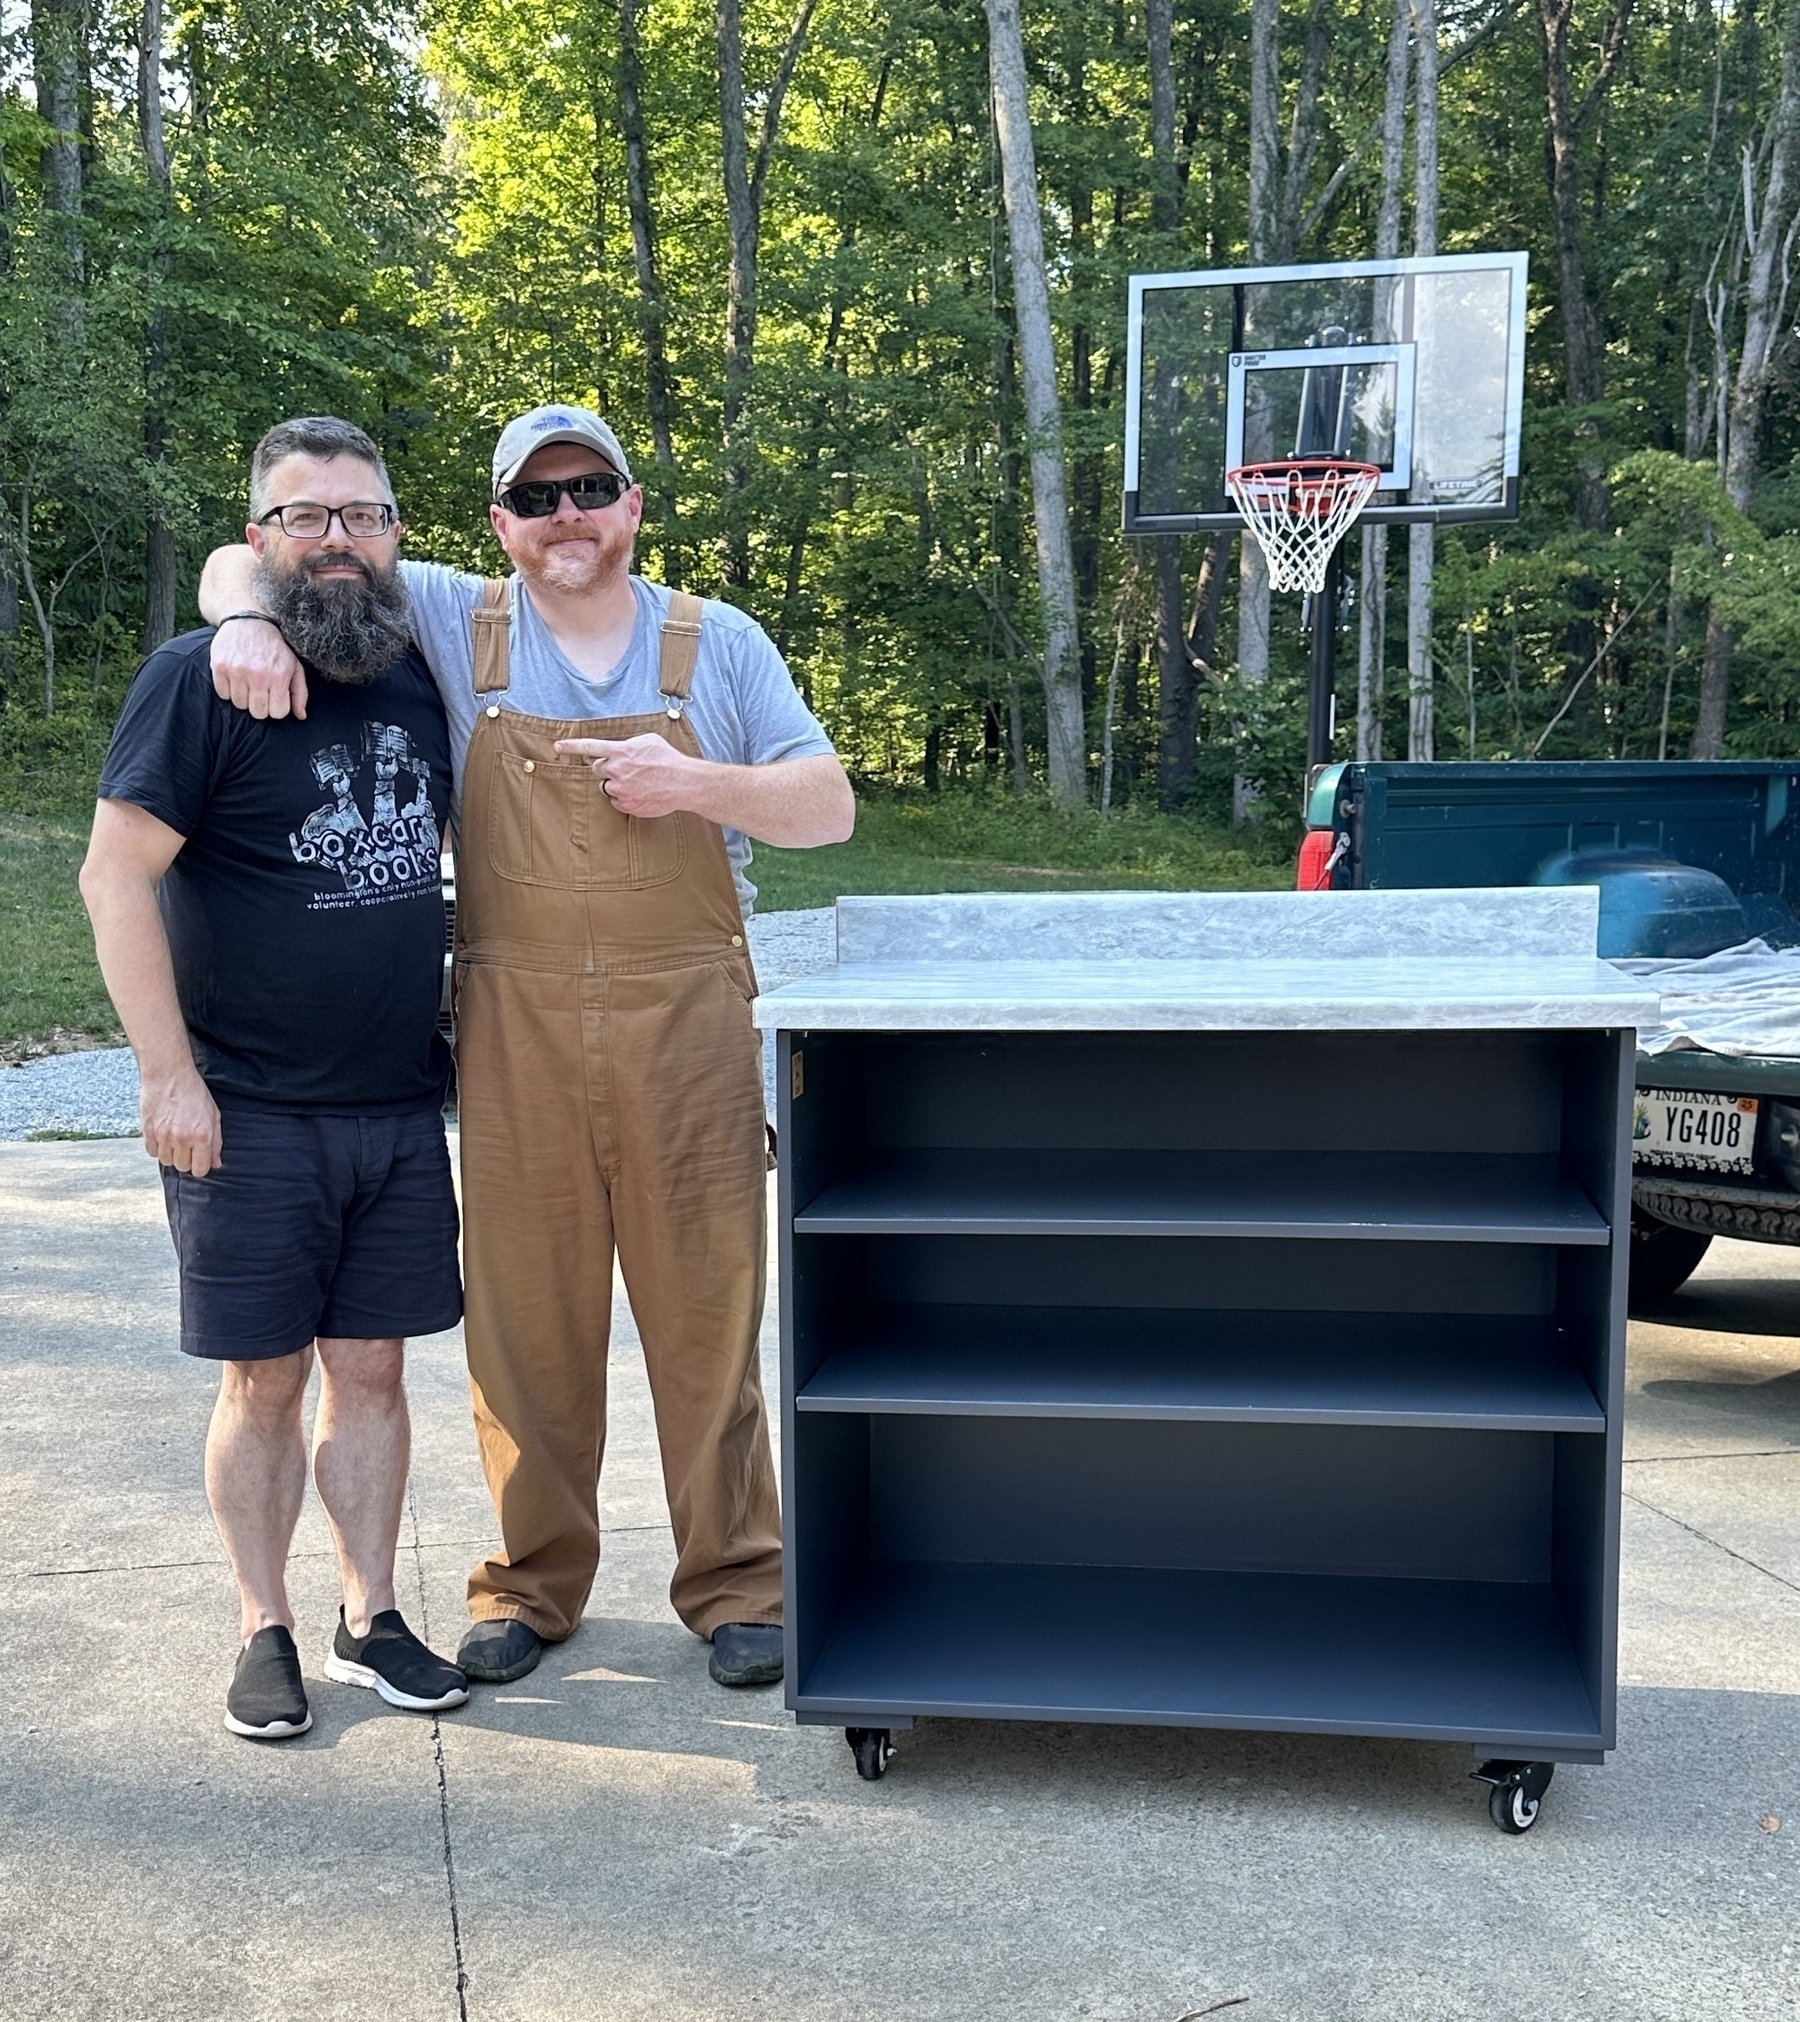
(305, 912)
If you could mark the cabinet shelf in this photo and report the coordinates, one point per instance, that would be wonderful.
(1450, 1660)
(1476, 1371)
(1344, 1196)
(1307, 1420)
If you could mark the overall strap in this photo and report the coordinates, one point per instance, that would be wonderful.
(491, 631)
(680, 649)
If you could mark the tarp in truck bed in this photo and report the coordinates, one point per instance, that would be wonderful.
(1742, 1001)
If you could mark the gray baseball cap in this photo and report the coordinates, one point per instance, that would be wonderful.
(523, 437)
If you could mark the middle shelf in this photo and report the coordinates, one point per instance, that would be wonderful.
(1480, 1371)
(1483, 1197)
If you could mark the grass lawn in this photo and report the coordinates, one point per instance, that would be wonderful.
(52, 999)
(51, 996)
(962, 843)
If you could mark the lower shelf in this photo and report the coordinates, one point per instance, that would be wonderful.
(1501, 1370)
(1439, 1660)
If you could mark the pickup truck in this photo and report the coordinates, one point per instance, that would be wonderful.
(1690, 859)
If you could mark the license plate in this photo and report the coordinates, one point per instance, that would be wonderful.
(1681, 1126)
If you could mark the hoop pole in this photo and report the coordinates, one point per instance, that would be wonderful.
(1322, 669)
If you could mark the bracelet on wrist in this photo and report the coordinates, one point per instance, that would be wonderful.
(262, 616)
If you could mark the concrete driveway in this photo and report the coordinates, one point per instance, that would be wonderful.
(615, 1837)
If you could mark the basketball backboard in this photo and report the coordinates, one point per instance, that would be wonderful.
(1417, 366)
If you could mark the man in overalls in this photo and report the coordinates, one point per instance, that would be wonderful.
(616, 745)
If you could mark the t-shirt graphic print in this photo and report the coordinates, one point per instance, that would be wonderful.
(389, 852)
(305, 911)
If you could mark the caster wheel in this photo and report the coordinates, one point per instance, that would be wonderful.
(873, 1751)
(1517, 1795)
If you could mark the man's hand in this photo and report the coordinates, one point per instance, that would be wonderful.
(645, 776)
(253, 666)
(128, 853)
(181, 1123)
(795, 803)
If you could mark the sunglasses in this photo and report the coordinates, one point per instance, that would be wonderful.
(538, 497)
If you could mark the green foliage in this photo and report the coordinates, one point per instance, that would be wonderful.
(973, 841)
(50, 988)
(416, 213)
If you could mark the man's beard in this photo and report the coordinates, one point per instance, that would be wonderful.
(555, 566)
(351, 631)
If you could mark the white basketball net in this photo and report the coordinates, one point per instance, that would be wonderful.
(1299, 511)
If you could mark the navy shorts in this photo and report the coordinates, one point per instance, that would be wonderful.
(337, 1225)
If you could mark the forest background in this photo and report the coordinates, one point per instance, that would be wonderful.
(787, 253)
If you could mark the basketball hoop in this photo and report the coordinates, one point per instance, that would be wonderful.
(1299, 508)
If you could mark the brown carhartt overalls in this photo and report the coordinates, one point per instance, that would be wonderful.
(610, 1088)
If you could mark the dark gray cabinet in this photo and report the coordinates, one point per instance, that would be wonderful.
(1263, 1379)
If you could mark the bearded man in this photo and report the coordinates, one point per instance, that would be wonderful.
(280, 988)
(617, 746)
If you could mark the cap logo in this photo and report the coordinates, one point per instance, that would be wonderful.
(551, 421)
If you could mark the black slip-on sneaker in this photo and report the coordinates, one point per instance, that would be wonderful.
(391, 1660)
(496, 1652)
(746, 1653)
(267, 1701)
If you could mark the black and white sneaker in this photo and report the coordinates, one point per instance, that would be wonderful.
(391, 1660)
(267, 1701)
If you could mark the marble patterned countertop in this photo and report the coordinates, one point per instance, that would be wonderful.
(1229, 961)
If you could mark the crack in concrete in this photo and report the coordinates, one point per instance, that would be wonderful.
(189, 1565)
(1751, 1453)
(443, 1780)
(1693, 1530)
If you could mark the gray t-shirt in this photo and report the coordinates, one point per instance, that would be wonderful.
(743, 705)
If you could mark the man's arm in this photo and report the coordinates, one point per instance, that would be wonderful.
(253, 666)
(794, 804)
(128, 853)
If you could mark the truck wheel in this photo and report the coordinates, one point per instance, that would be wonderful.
(1662, 1258)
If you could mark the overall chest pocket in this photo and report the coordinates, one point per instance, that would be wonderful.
(549, 823)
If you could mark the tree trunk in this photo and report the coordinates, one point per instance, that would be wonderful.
(1178, 698)
(9, 630)
(652, 321)
(1264, 220)
(1087, 484)
(1421, 727)
(1066, 732)
(1209, 595)
(1371, 643)
(1715, 681)
(1768, 240)
(1178, 704)
(1265, 164)
(1252, 657)
(159, 538)
(1677, 611)
(1371, 629)
(1303, 128)
(740, 288)
(1768, 237)
(20, 542)
(1277, 192)
(1165, 188)
(1582, 357)
(1421, 738)
(56, 59)
(8, 204)
(9, 582)
(745, 181)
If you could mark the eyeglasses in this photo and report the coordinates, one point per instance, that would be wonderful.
(309, 522)
(538, 497)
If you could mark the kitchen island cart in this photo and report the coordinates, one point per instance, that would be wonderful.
(1207, 1310)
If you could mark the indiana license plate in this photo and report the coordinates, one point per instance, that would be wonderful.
(1682, 1126)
